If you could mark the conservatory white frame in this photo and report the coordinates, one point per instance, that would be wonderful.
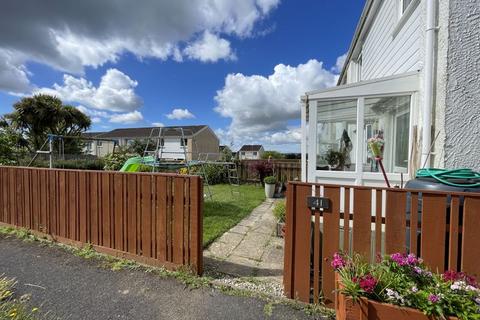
(398, 85)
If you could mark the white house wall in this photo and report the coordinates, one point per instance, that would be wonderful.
(385, 53)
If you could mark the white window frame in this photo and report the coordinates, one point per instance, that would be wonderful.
(404, 15)
(400, 85)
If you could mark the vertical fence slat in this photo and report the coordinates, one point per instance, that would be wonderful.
(395, 222)
(161, 213)
(288, 261)
(331, 231)
(146, 192)
(362, 220)
(433, 230)
(471, 236)
(316, 252)
(378, 221)
(302, 232)
(453, 234)
(94, 207)
(106, 206)
(118, 211)
(196, 245)
(132, 213)
(82, 206)
(414, 224)
(178, 221)
(346, 222)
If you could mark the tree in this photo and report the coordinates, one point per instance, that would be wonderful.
(35, 117)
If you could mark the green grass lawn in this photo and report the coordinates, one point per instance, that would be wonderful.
(226, 210)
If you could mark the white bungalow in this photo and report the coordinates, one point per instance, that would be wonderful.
(410, 78)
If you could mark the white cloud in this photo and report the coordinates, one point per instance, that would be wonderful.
(339, 64)
(13, 75)
(92, 33)
(210, 48)
(116, 92)
(158, 124)
(130, 117)
(179, 114)
(260, 107)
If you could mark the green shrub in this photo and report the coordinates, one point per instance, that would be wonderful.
(79, 164)
(280, 211)
(270, 180)
(115, 161)
(215, 174)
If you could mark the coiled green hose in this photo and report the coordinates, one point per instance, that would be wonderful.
(442, 175)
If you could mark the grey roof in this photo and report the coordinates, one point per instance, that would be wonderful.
(251, 147)
(92, 134)
(145, 132)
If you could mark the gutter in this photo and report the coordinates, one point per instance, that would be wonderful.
(430, 37)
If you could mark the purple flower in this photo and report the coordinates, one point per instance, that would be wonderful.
(338, 262)
(404, 260)
(398, 258)
(417, 270)
(433, 298)
(412, 259)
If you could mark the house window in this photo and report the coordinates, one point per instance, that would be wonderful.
(336, 135)
(387, 119)
(183, 142)
(254, 153)
(99, 144)
(243, 153)
(405, 4)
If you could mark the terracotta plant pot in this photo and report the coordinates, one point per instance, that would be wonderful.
(366, 309)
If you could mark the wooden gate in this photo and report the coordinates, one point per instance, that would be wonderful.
(149, 217)
(441, 227)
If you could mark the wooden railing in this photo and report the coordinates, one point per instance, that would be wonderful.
(283, 170)
(441, 227)
(152, 218)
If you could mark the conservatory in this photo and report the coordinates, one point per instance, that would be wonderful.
(338, 124)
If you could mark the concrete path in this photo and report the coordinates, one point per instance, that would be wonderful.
(70, 287)
(250, 249)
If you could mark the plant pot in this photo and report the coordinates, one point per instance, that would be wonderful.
(281, 229)
(365, 309)
(269, 190)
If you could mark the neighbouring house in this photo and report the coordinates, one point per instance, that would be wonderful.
(95, 146)
(250, 152)
(411, 78)
(174, 142)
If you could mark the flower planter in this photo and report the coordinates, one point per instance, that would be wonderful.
(269, 190)
(365, 309)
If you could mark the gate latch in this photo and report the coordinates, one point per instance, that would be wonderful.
(318, 203)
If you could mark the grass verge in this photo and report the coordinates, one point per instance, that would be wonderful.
(226, 210)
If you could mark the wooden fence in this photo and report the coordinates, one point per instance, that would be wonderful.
(441, 227)
(284, 170)
(149, 217)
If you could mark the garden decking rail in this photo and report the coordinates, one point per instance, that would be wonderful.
(149, 217)
(442, 230)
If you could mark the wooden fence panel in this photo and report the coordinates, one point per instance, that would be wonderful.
(443, 233)
(153, 218)
(283, 170)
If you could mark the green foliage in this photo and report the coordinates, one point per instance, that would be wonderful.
(77, 164)
(35, 117)
(270, 180)
(215, 174)
(115, 161)
(227, 154)
(11, 308)
(272, 155)
(280, 211)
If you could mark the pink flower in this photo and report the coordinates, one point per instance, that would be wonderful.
(433, 298)
(404, 260)
(453, 276)
(368, 283)
(338, 262)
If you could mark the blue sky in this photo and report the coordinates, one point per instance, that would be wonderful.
(274, 51)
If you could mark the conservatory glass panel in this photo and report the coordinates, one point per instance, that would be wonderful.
(336, 135)
(387, 123)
